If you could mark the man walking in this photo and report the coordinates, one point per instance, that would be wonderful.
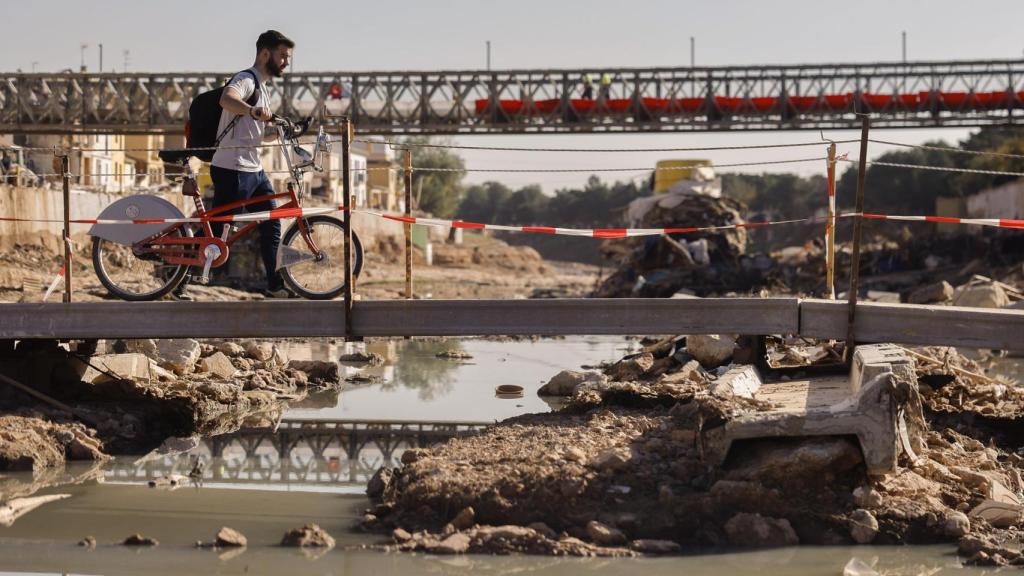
(236, 170)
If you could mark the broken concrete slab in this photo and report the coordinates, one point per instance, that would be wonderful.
(738, 381)
(932, 293)
(219, 365)
(131, 366)
(179, 356)
(863, 405)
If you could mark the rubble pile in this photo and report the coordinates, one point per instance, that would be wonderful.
(658, 266)
(622, 469)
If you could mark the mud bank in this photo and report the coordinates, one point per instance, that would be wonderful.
(624, 469)
(130, 396)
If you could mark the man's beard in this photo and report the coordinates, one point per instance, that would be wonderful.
(274, 69)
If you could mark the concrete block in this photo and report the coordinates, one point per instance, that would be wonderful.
(131, 366)
(741, 381)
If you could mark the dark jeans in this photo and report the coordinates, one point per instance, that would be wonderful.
(231, 186)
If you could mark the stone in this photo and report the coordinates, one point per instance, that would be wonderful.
(454, 355)
(139, 540)
(863, 526)
(230, 538)
(128, 366)
(612, 459)
(956, 525)
(867, 497)
(457, 543)
(178, 356)
(219, 365)
(654, 546)
(543, 529)
(604, 535)
(711, 350)
(380, 482)
(369, 521)
(400, 535)
(259, 351)
(88, 542)
(999, 514)
(414, 454)
(574, 454)
(309, 536)
(318, 371)
(690, 372)
(740, 381)
(464, 519)
(505, 532)
(629, 369)
(230, 349)
(371, 358)
(756, 531)
(932, 293)
(145, 346)
(981, 295)
(566, 382)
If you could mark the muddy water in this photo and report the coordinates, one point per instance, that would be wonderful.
(250, 485)
(414, 384)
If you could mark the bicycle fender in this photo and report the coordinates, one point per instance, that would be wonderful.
(139, 206)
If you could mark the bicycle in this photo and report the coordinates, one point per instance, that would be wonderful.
(146, 261)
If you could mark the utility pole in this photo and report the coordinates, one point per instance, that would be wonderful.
(692, 52)
(127, 59)
(82, 47)
(904, 46)
(488, 55)
(101, 57)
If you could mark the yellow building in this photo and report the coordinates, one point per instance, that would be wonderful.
(143, 150)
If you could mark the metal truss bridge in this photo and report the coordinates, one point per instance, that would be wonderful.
(299, 452)
(798, 97)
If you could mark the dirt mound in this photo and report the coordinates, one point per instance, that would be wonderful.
(32, 443)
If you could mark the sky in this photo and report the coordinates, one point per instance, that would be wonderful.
(340, 35)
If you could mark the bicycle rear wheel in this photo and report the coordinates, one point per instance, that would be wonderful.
(129, 277)
(324, 278)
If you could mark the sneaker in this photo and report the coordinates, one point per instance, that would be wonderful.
(181, 296)
(277, 293)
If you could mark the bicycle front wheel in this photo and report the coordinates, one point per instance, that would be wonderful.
(320, 278)
(131, 277)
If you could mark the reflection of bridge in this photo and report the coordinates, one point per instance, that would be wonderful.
(915, 94)
(300, 452)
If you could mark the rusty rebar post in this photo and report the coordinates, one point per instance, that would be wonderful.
(346, 188)
(65, 169)
(830, 227)
(858, 219)
(407, 177)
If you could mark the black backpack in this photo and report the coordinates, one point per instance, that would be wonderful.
(204, 117)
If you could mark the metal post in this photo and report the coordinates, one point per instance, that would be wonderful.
(857, 221)
(65, 168)
(408, 227)
(346, 188)
(830, 227)
(692, 54)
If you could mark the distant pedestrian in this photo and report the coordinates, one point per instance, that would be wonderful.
(606, 85)
(588, 86)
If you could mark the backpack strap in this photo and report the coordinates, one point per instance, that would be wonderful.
(251, 101)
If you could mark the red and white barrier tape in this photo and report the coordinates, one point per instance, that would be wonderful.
(996, 222)
(53, 285)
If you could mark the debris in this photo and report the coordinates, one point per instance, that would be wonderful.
(371, 358)
(464, 519)
(756, 531)
(169, 481)
(308, 536)
(140, 540)
(957, 524)
(455, 355)
(604, 535)
(88, 542)
(18, 507)
(178, 356)
(380, 482)
(739, 381)
(566, 382)
(981, 292)
(932, 293)
(999, 514)
(219, 365)
(711, 350)
(655, 546)
(867, 497)
(318, 371)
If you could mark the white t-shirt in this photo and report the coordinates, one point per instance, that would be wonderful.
(238, 148)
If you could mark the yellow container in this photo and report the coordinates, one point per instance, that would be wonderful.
(680, 170)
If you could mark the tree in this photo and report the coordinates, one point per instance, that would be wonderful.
(437, 192)
(482, 202)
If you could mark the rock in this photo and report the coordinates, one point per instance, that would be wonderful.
(938, 292)
(146, 346)
(455, 355)
(129, 366)
(754, 530)
(369, 521)
(867, 497)
(400, 535)
(863, 526)
(380, 482)
(219, 365)
(543, 529)
(999, 514)
(605, 535)
(612, 459)
(140, 540)
(88, 542)
(178, 356)
(259, 351)
(230, 349)
(230, 538)
(506, 532)
(629, 369)
(654, 546)
(309, 536)
(318, 370)
(741, 381)
(464, 519)
(981, 295)
(566, 382)
(690, 372)
(956, 525)
(711, 350)
(574, 454)
(413, 454)
(457, 543)
(168, 481)
(371, 358)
